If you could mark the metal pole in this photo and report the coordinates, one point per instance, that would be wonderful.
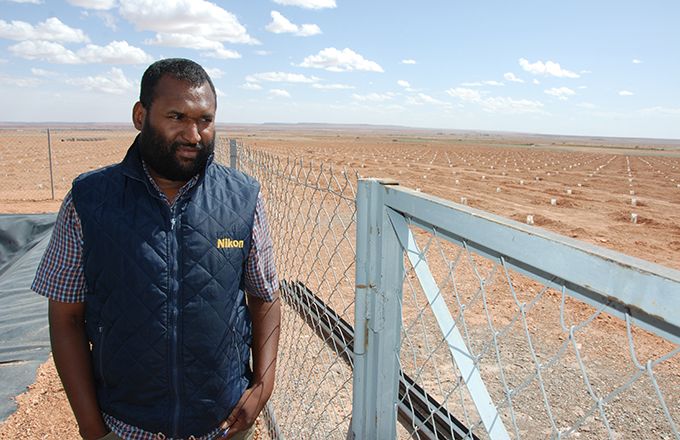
(49, 155)
(233, 154)
(379, 281)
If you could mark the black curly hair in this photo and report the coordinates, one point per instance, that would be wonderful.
(178, 68)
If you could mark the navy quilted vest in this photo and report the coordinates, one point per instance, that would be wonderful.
(165, 311)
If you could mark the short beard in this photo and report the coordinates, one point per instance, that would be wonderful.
(161, 157)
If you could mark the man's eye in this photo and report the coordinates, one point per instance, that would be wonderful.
(176, 116)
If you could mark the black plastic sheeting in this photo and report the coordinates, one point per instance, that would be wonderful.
(24, 336)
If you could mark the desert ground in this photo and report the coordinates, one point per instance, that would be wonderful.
(585, 188)
(620, 194)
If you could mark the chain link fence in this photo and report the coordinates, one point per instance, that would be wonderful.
(515, 332)
(533, 356)
(40, 164)
(554, 366)
(488, 346)
(311, 211)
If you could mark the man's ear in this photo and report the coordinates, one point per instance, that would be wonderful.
(138, 115)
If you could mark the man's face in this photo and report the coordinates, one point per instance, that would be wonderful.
(178, 130)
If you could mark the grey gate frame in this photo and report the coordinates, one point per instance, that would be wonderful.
(630, 289)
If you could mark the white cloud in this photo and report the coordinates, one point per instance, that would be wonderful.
(223, 54)
(216, 49)
(535, 81)
(251, 86)
(468, 95)
(373, 97)
(116, 52)
(404, 83)
(332, 86)
(281, 77)
(279, 93)
(586, 105)
(281, 25)
(626, 93)
(109, 20)
(51, 29)
(408, 61)
(113, 82)
(562, 93)
(509, 105)
(345, 60)
(308, 4)
(509, 76)
(661, 111)
(636, 61)
(307, 30)
(94, 4)
(262, 53)
(44, 50)
(214, 72)
(42, 72)
(548, 68)
(20, 82)
(496, 104)
(198, 42)
(482, 83)
(427, 99)
(197, 18)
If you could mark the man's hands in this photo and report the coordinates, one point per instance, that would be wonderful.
(71, 353)
(246, 411)
(266, 319)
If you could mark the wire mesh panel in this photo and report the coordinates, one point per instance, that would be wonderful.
(554, 365)
(40, 164)
(311, 214)
(493, 343)
(506, 349)
(24, 165)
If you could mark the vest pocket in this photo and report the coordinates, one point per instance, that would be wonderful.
(236, 347)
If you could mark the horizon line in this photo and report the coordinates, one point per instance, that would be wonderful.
(11, 124)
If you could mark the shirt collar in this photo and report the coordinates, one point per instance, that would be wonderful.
(186, 187)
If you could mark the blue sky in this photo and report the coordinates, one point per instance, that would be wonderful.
(605, 68)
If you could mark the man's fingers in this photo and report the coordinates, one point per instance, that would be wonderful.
(231, 424)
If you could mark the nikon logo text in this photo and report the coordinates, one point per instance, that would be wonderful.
(223, 243)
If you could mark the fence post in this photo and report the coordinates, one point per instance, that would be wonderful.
(233, 154)
(378, 291)
(49, 156)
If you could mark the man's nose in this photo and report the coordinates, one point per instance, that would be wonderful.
(190, 133)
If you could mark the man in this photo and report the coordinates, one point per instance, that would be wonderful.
(146, 271)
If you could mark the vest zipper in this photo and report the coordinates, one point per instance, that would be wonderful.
(173, 293)
(100, 353)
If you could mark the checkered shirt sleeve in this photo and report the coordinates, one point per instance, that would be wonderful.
(260, 277)
(60, 275)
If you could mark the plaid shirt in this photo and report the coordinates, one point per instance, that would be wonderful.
(60, 275)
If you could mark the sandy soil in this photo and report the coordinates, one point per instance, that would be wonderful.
(596, 184)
